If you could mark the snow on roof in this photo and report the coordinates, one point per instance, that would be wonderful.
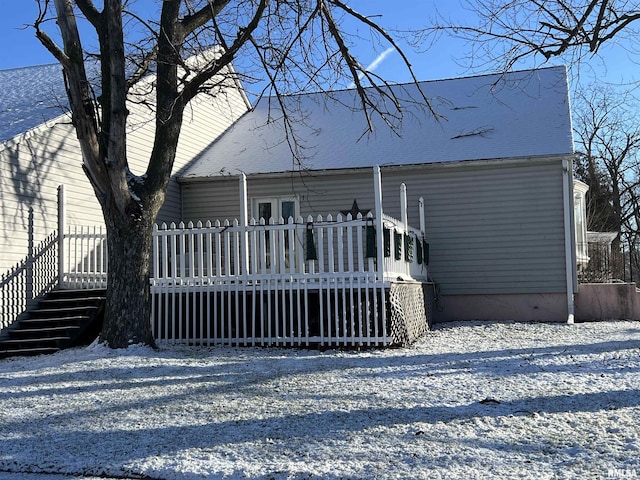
(30, 96)
(519, 114)
(601, 237)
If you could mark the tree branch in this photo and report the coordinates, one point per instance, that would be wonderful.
(91, 13)
(192, 86)
(392, 42)
(84, 113)
(53, 48)
(192, 22)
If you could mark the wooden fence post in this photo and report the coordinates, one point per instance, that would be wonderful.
(61, 232)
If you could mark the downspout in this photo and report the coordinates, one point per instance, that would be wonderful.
(569, 243)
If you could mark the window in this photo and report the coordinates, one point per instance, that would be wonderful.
(275, 207)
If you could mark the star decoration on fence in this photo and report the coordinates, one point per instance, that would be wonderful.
(355, 210)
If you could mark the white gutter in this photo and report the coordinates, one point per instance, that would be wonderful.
(569, 244)
(542, 159)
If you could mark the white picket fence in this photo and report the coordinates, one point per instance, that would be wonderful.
(83, 257)
(293, 282)
(269, 283)
(189, 254)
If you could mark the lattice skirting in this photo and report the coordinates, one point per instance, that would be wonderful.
(409, 315)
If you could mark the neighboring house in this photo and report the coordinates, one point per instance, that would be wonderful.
(39, 152)
(602, 265)
(495, 173)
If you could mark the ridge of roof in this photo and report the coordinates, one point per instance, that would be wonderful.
(432, 80)
(38, 65)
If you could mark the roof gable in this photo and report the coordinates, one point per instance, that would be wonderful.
(519, 114)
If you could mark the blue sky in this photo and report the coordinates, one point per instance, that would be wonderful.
(19, 47)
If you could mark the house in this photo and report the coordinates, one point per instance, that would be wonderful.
(39, 152)
(494, 171)
(303, 229)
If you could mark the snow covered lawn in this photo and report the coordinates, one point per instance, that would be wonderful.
(469, 401)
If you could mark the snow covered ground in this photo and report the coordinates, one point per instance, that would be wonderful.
(469, 401)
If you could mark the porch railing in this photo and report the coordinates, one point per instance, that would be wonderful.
(406, 254)
(277, 283)
(191, 254)
(33, 276)
(294, 282)
(84, 260)
(195, 253)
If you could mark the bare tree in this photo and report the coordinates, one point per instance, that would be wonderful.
(296, 44)
(507, 31)
(607, 140)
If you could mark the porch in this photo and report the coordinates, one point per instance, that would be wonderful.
(311, 281)
(324, 280)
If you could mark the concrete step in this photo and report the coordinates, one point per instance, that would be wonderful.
(57, 312)
(68, 302)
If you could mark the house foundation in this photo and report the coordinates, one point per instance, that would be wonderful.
(534, 307)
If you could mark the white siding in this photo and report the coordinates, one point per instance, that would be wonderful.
(492, 227)
(32, 167)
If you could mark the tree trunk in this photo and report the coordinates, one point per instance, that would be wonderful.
(128, 309)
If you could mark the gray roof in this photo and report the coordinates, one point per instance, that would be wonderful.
(28, 97)
(519, 114)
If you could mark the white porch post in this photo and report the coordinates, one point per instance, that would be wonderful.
(379, 224)
(403, 205)
(423, 228)
(377, 189)
(244, 215)
(62, 227)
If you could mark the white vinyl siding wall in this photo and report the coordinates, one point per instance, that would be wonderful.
(494, 230)
(33, 165)
(31, 169)
(493, 227)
